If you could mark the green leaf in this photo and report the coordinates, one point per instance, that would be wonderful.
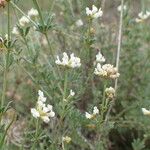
(137, 144)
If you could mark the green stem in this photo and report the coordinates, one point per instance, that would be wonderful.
(4, 79)
(6, 58)
(65, 84)
(43, 24)
(49, 45)
(8, 19)
(36, 134)
(103, 99)
(37, 128)
(39, 11)
(32, 78)
(5, 134)
(15, 6)
(103, 102)
(28, 48)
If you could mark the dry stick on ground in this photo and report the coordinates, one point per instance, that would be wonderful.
(117, 59)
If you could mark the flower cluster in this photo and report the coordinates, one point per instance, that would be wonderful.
(32, 13)
(43, 111)
(106, 71)
(72, 62)
(91, 116)
(142, 16)
(25, 20)
(110, 92)
(145, 111)
(124, 7)
(94, 13)
(15, 30)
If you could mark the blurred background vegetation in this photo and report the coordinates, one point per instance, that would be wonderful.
(129, 129)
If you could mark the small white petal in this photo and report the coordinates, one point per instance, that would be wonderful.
(88, 11)
(40, 93)
(51, 114)
(100, 58)
(79, 23)
(15, 31)
(45, 119)
(50, 107)
(88, 115)
(94, 9)
(72, 93)
(35, 113)
(33, 13)
(24, 21)
(95, 110)
(145, 111)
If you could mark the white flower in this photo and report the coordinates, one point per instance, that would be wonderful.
(6, 36)
(124, 7)
(40, 93)
(72, 93)
(51, 114)
(24, 21)
(106, 71)
(95, 110)
(66, 139)
(91, 116)
(142, 16)
(33, 13)
(41, 96)
(43, 111)
(88, 115)
(15, 31)
(110, 92)
(35, 113)
(45, 119)
(145, 111)
(100, 58)
(71, 62)
(79, 23)
(94, 13)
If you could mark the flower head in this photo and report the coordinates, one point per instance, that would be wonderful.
(94, 13)
(15, 31)
(106, 71)
(24, 21)
(66, 139)
(110, 92)
(145, 111)
(100, 58)
(142, 16)
(95, 110)
(32, 13)
(124, 7)
(43, 111)
(72, 62)
(91, 116)
(72, 93)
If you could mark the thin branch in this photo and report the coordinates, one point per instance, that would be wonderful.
(119, 42)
